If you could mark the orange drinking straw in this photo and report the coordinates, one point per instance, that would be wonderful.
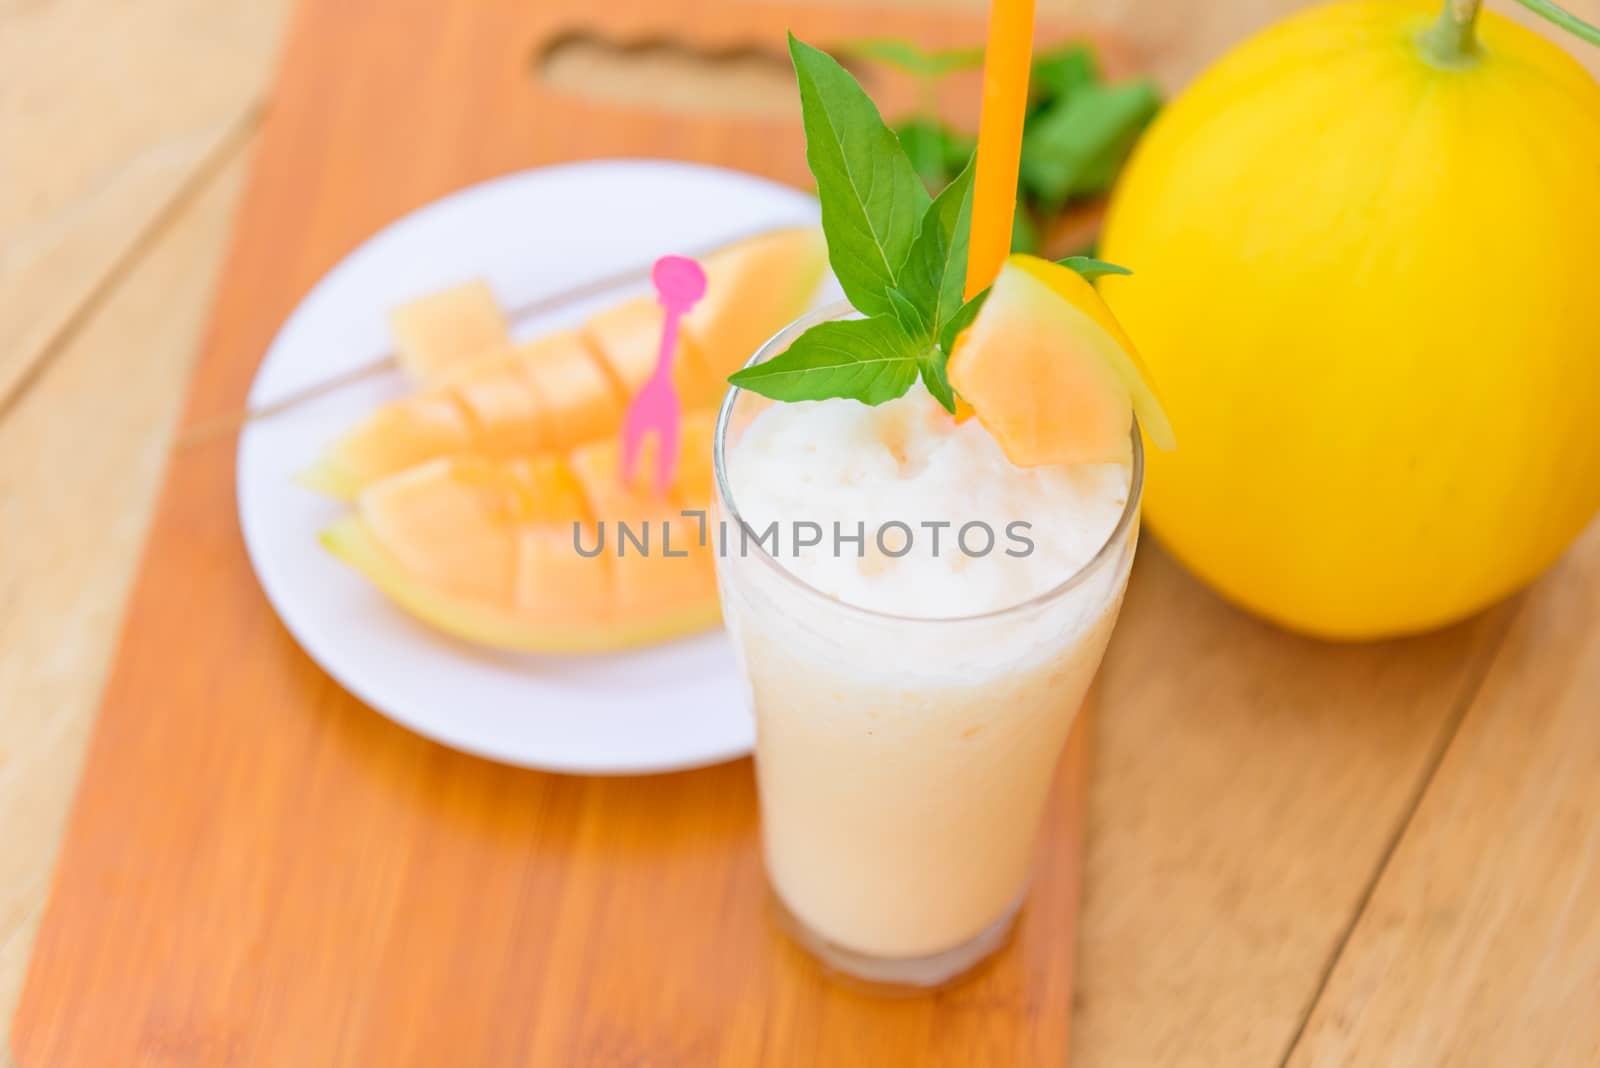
(1007, 58)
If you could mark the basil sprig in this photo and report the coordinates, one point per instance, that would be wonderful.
(900, 256)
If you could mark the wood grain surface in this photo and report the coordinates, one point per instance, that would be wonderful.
(1296, 853)
(73, 528)
(121, 146)
(1482, 944)
(259, 870)
(118, 142)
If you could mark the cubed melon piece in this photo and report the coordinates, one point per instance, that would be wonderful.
(436, 333)
(556, 584)
(452, 523)
(647, 578)
(579, 401)
(627, 338)
(505, 410)
(692, 484)
(398, 435)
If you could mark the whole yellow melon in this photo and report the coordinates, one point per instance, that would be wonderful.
(1366, 279)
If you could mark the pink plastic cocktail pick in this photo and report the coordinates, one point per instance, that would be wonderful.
(680, 282)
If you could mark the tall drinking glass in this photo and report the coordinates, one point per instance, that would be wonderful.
(903, 763)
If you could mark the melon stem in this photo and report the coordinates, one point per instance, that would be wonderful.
(1452, 40)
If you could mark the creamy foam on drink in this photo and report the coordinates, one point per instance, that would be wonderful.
(903, 764)
(846, 466)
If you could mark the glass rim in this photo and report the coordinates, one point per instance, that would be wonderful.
(839, 310)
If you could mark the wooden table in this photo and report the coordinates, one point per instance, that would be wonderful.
(1407, 882)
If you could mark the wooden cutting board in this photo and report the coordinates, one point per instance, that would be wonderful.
(261, 871)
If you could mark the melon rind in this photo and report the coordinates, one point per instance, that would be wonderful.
(1116, 347)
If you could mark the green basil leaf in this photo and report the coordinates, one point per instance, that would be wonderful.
(869, 360)
(871, 197)
(924, 143)
(1024, 232)
(910, 317)
(958, 149)
(932, 365)
(937, 152)
(960, 321)
(1062, 72)
(936, 268)
(1092, 268)
(906, 56)
(1075, 147)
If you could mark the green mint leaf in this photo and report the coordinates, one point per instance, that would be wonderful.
(958, 149)
(869, 360)
(959, 322)
(1060, 73)
(910, 317)
(906, 56)
(1024, 232)
(924, 143)
(871, 197)
(1101, 171)
(936, 267)
(936, 151)
(951, 60)
(1092, 268)
(1075, 147)
(932, 365)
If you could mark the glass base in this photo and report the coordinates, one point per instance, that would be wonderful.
(900, 975)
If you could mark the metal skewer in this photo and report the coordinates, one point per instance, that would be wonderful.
(551, 302)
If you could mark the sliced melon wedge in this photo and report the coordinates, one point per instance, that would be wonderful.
(484, 549)
(571, 386)
(754, 288)
(1049, 372)
(450, 522)
(395, 437)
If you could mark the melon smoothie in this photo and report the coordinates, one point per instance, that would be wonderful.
(915, 672)
(928, 505)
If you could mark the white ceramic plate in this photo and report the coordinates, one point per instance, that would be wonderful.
(538, 232)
